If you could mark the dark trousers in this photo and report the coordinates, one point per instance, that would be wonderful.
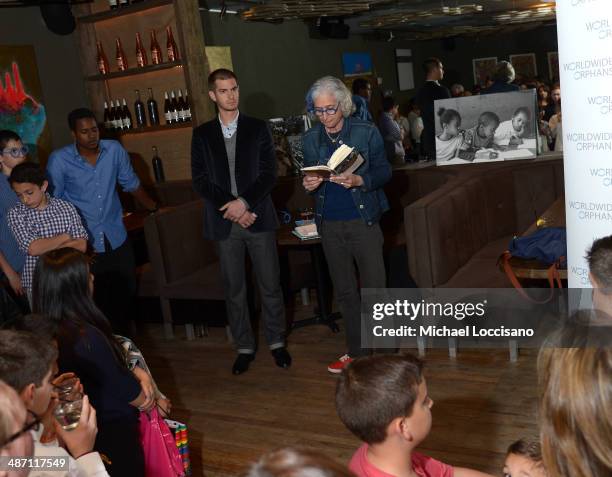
(120, 443)
(264, 256)
(115, 285)
(345, 244)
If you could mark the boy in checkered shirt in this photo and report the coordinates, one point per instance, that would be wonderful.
(40, 222)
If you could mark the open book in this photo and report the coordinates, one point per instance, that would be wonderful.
(344, 160)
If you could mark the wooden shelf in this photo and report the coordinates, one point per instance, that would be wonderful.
(135, 71)
(151, 129)
(123, 11)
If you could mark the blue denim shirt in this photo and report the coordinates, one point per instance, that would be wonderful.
(370, 198)
(93, 189)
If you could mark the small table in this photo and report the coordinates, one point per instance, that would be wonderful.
(286, 239)
(533, 269)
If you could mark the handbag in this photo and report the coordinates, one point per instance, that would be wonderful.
(547, 245)
(161, 455)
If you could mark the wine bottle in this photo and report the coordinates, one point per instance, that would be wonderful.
(141, 54)
(181, 107)
(108, 125)
(122, 63)
(113, 116)
(187, 108)
(167, 109)
(113, 4)
(152, 108)
(156, 54)
(120, 119)
(174, 107)
(102, 60)
(127, 116)
(158, 167)
(171, 48)
(139, 111)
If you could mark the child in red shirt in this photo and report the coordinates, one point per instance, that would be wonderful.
(383, 400)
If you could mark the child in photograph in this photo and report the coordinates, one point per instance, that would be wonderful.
(450, 140)
(383, 400)
(510, 133)
(40, 222)
(481, 136)
(524, 459)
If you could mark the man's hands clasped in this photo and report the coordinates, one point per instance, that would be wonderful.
(236, 211)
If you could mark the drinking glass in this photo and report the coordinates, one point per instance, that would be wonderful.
(68, 410)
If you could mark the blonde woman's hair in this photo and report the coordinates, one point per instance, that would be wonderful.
(576, 411)
(297, 462)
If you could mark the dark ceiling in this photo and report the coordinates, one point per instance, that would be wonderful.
(408, 19)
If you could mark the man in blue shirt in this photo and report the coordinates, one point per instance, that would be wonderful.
(362, 93)
(86, 174)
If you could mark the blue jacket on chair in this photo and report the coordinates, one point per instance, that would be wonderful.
(370, 198)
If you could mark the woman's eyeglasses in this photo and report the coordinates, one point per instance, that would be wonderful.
(16, 151)
(329, 110)
(27, 427)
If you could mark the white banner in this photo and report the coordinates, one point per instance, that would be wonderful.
(584, 30)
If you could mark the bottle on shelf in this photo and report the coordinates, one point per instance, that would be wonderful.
(127, 116)
(152, 109)
(181, 107)
(102, 60)
(158, 167)
(187, 107)
(113, 4)
(108, 124)
(171, 48)
(156, 53)
(119, 116)
(113, 116)
(167, 109)
(141, 53)
(123, 3)
(122, 63)
(139, 111)
(174, 109)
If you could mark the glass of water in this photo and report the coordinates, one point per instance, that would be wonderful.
(68, 410)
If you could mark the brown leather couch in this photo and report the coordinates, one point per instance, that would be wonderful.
(455, 234)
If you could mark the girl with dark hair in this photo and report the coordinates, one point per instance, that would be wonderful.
(62, 290)
(451, 139)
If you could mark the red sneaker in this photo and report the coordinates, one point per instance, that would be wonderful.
(337, 366)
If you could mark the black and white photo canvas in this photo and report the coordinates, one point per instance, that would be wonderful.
(486, 128)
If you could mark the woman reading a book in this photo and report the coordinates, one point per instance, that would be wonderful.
(348, 204)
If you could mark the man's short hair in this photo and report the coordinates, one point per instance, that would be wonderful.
(80, 113)
(359, 84)
(599, 257)
(388, 103)
(25, 358)
(5, 136)
(220, 74)
(27, 172)
(431, 64)
(375, 390)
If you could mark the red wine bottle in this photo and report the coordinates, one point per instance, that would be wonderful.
(139, 112)
(152, 109)
(167, 109)
(181, 107)
(158, 166)
(127, 116)
(108, 125)
(174, 107)
(187, 108)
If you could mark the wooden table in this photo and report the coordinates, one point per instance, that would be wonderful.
(325, 316)
(533, 269)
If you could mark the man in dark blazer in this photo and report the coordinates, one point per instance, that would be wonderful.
(233, 167)
(429, 92)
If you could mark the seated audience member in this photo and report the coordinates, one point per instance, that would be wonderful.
(481, 135)
(391, 132)
(524, 459)
(449, 141)
(502, 78)
(553, 102)
(362, 94)
(556, 130)
(599, 258)
(40, 222)
(290, 462)
(510, 133)
(62, 291)
(575, 412)
(457, 90)
(28, 364)
(15, 425)
(383, 400)
(543, 93)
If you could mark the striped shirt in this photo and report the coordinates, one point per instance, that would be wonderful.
(58, 217)
(8, 246)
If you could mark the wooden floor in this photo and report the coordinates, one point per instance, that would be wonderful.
(482, 401)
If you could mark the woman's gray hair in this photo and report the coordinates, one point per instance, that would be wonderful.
(333, 86)
(504, 72)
